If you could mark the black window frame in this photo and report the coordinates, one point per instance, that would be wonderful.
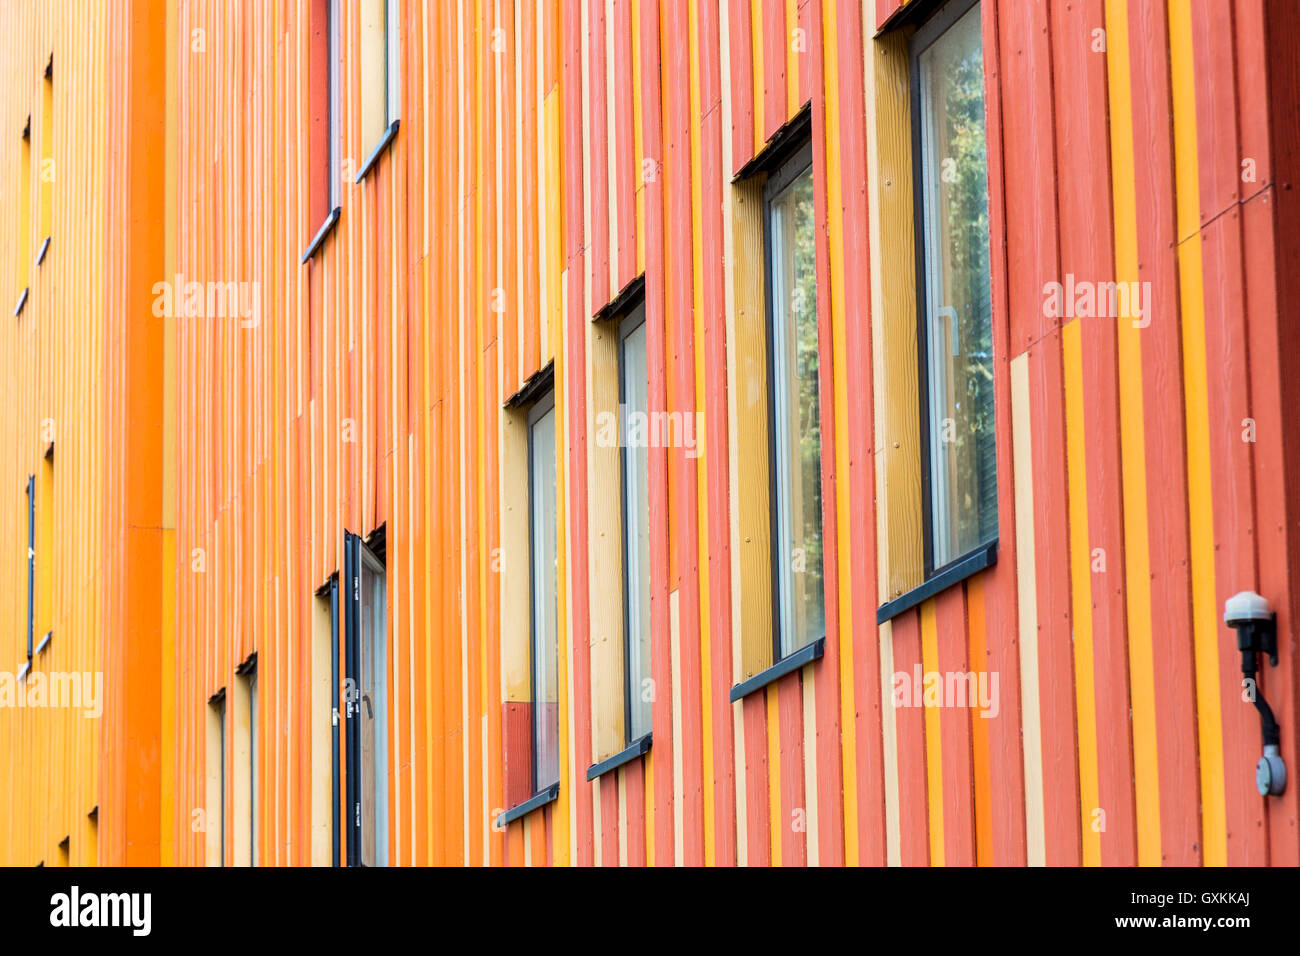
(983, 555)
(796, 159)
(331, 590)
(355, 551)
(31, 565)
(334, 193)
(544, 403)
(218, 703)
(633, 320)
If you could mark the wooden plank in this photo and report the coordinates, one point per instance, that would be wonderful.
(741, 64)
(1228, 393)
(1166, 458)
(1022, 429)
(823, 761)
(909, 719)
(716, 541)
(1133, 449)
(775, 44)
(1001, 654)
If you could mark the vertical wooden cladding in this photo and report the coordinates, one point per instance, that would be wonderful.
(87, 407)
(550, 152)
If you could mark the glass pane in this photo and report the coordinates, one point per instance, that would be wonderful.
(546, 717)
(374, 726)
(797, 425)
(636, 538)
(963, 465)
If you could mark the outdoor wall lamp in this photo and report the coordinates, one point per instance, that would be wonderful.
(1251, 617)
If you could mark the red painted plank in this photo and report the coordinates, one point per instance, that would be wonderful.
(1087, 252)
(955, 730)
(575, 365)
(1228, 380)
(739, 33)
(885, 9)
(1218, 144)
(757, 801)
(634, 791)
(1165, 433)
(774, 41)
(793, 815)
(599, 143)
(1001, 616)
(628, 166)
(909, 719)
(608, 785)
(1259, 219)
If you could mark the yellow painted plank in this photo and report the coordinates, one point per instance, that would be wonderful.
(1081, 591)
(1200, 500)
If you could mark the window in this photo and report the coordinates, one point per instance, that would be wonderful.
(955, 335)
(214, 816)
(31, 564)
(529, 581)
(325, 726)
(323, 174)
(633, 411)
(92, 838)
(24, 218)
(544, 623)
(799, 617)
(47, 160)
(380, 78)
(367, 703)
(44, 561)
(252, 764)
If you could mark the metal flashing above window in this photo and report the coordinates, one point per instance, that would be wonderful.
(789, 139)
(22, 301)
(45, 247)
(534, 388)
(623, 303)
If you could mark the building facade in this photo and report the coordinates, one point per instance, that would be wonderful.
(610, 432)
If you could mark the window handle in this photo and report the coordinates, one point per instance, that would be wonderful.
(949, 313)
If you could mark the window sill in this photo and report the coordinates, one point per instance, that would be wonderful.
(549, 795)
(385, 141)
(314, 246)
(45, 247)
(625, 756)
(22, 301)
(791, 662)
(975, 562)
